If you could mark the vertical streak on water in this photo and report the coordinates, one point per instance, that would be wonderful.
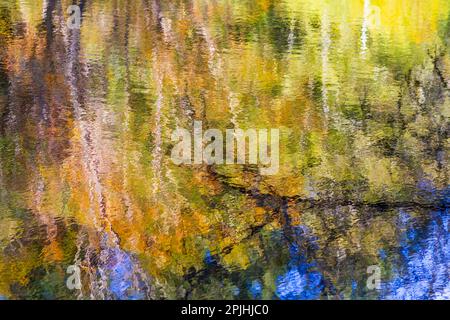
(365, 27)
(214, 60)
(234, 104)
(159, 66)
(326, 43)
(2, 186)
(72, 54)
(163, 70)
(215, 64)
(44, 9)
(42, 113)
(91, 161)
(291, 37)
(77, 259)
(125, 165)
(289, 56)
(157, 151)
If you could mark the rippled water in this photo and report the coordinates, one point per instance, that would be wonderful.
(358, 88)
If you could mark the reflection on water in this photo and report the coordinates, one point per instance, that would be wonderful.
(359, 90)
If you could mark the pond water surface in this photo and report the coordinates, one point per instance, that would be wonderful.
(358, 88)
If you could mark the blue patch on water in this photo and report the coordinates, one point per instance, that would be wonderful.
(354, 289)
(256, 289)
(418, 269)
(446, 196)
(425, 261)
(427, 186)
(382, 254)
(404, 218)
(302, 281)
(121, 277)
(208, 257)
(298, 285)
(236, 291)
